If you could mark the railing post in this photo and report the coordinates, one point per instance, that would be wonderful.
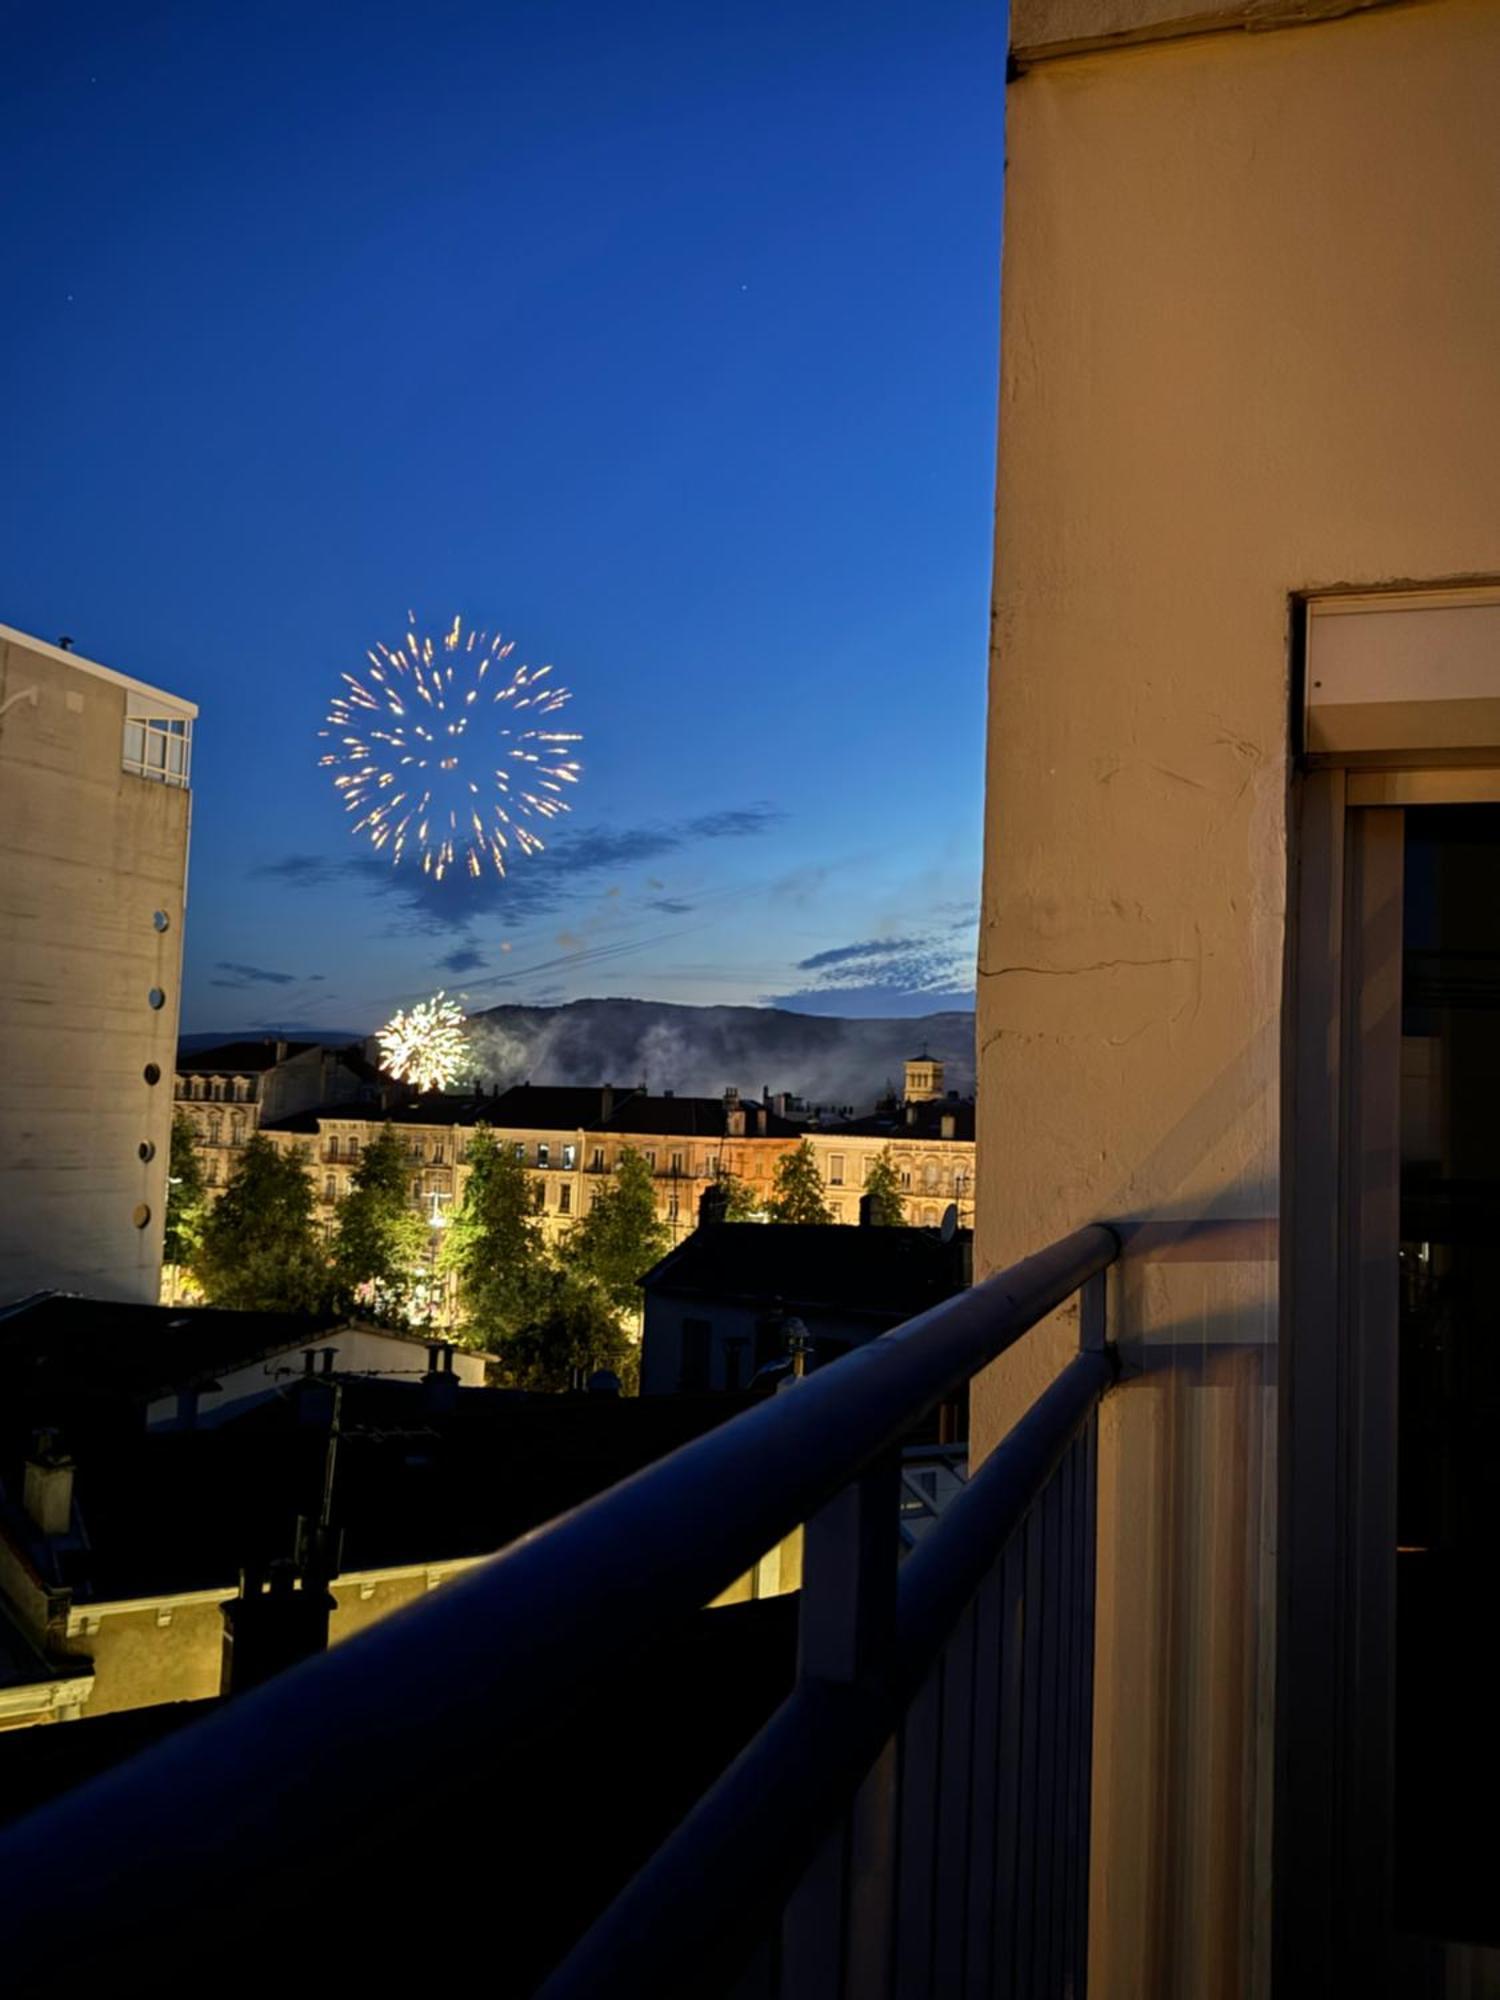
(846, 1628)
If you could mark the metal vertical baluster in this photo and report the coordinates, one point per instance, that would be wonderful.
(845, 1628)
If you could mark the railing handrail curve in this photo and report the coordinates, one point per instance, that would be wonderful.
(473, 1665)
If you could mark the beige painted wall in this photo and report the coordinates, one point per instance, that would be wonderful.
(1250, 321)
(88, 853)
(151, 1653)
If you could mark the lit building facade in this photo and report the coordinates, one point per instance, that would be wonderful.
(94, 812)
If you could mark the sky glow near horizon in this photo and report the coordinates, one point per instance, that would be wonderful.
(662, 341)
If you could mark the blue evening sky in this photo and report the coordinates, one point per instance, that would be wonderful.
(660, 337)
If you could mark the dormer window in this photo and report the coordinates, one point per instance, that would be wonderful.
(216, 1090)
(241, 1090)
(196, 1086)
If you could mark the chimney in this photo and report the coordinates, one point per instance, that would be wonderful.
(607, 1100)
(48, 1490)
(272, 1625)
(440, 1386)
(281, 1052)
(713, 1206)
(948, 1125)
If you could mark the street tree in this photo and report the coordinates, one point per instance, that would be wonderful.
(797, 1195)
(740, 1203)
(258, 1250)
(382, 1240)
(493, 1246)
(185, 1194)
(572, 1332)
(621, 1237)
(883, 1192)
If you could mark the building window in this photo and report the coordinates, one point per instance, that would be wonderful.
(596, 1164)
(672, 1208)
(569, 1156)
(835, 1170)
(216, 1089)
(543, 1153)
(214, 1125)
(236, 1128)
(241, 1091)
(330, 1187)
(677, 1163)
(519, 1149)
(929, 1217)
(651, 1158)
(538, 1195)
(159, 747)
(711, 1167)
(564, 1199)
(211, 1170)
(196, 1086)
(929, 1178)
(838, 1211)
(905, 1178)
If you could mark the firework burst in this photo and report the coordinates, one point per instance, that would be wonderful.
(443, 751)
(426, 1047)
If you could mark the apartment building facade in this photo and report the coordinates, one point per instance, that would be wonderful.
(94, 815)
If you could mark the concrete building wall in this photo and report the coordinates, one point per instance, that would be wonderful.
(1250, 320)
(89, 854)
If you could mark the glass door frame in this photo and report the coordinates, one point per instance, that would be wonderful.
(1338, 1385)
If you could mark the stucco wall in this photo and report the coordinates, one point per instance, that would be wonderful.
(1250, 320)
(88, 854)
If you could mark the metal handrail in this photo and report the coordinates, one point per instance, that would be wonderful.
(745, 1844)
(474, 1666)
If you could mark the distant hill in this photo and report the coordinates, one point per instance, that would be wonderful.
(698, 1051)
(333, 1038)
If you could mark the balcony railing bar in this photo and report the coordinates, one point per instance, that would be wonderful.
(522, 1634)
(745, 1845)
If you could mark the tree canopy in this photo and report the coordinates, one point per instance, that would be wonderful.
(258, 1250)
(382, 1240)
(493, 1245)
(883, 1192)
(740, 1204)
(573, 1330)
(185, 1195)
(797, 1195)
(621, 1236)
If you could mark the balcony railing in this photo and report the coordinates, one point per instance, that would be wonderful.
(912, 1820)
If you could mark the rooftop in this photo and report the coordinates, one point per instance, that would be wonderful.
(889, 1274)
(58, 1343)
(240, 1058)
(161, 702)
(174, 1511)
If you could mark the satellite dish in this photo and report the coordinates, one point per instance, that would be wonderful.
(949, 1228)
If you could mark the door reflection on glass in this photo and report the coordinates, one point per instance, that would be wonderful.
(1447, 1880)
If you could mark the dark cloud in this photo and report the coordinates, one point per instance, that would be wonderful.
(669, 906)
(464, 959)
(875, 1002)
(539, 887)
(845, 954)
(894, 975)
(301, 871)
(251, 975)
(733, 824)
